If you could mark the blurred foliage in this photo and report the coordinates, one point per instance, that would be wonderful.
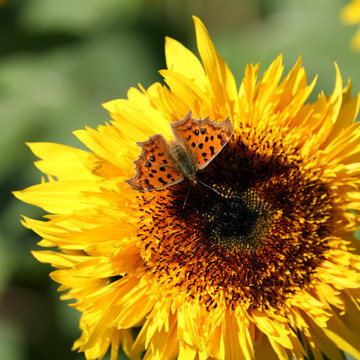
(59, 60)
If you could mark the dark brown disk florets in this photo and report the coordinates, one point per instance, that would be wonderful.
(257, 240)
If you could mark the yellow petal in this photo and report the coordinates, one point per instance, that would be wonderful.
(58, 198)
(220, 77)
(181, 60)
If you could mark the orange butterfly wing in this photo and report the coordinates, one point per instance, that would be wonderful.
(154, 169)
(212, 138)
(203, 138)
(186, 132)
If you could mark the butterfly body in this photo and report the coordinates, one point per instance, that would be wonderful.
(196, 144)
(183, 160)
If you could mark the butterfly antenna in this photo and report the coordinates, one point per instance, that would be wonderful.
(187, 195)
(207, 186)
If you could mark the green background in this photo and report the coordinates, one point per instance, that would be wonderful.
(59, 60)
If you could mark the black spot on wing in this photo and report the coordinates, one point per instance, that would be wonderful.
(162, 168)
(152, 158)
(212, 150)
(201, 145)
(162, 180)
(193, 144)
(221, 138)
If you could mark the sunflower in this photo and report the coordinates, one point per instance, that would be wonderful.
(350, 14)
(265, 268)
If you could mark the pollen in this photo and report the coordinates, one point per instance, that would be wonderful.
(238, 220)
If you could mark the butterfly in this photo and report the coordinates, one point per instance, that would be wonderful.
(196, 144)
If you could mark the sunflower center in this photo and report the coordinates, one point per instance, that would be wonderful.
(256, 241)
(238, 220)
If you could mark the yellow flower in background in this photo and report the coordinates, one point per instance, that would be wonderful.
(350, 14)
(265, 268)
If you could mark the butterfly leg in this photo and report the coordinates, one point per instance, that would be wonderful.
(187, 195)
